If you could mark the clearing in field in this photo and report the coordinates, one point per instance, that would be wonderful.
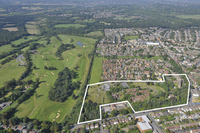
(69, 25)
(11, 29)
(50, 110)
(140, 94)
(189, 16)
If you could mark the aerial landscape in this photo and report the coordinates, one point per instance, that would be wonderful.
(99, 66)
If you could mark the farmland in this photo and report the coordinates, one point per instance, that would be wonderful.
(32, 28)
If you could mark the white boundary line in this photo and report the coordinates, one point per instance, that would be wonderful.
(128, 101)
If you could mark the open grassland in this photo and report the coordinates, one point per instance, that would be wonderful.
(69, 25)
(189, 16)
(130, 37)
(105, 23)
(24, 39)
(153, 87)
(95, 33)
(10, 28)
(32, 28)
(2, 10)
(96, 94)
(49, 110)
(33, 8)
(66, 40)
(87, 21)
(96, 70)
(10, 72)
(5, 48)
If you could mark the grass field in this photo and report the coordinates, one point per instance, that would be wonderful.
(189, 16)
(32, 8)
(2, 10)
(10, 28)
(130, 37)
(95, 33)
(32, 28)
(96, 94)
(69, 25)
(105, 23)
(24, 40)
(10, 72)
(47, 110)
(144, 85)
(96, 70)
(5, 48)
(87, 21)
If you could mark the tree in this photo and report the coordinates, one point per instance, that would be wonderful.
(30, 125)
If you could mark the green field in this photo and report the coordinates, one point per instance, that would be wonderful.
(130, 37)
(5, 48)
(189, 16)
(10, 72)
(24, 40)
(96, 70)
(99, 97)
(69, 25)
(95, 33)
(49, 110)
(32, 28)
(87, 21)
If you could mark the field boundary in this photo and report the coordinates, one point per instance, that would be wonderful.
(162, 81)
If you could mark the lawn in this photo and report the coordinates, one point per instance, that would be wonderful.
(10, 72)
(48, 110)
(95, 33)
(96, 70)
(69, 25)
(130, 37)
(189, 16)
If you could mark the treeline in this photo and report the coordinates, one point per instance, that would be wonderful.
(50, 68)
(28, 92)
(62, 48)
(8, 59)
(28, 65)
(34, 46)
(64, 87)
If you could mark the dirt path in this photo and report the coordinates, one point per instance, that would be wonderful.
(34, 108)
(35, 73)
